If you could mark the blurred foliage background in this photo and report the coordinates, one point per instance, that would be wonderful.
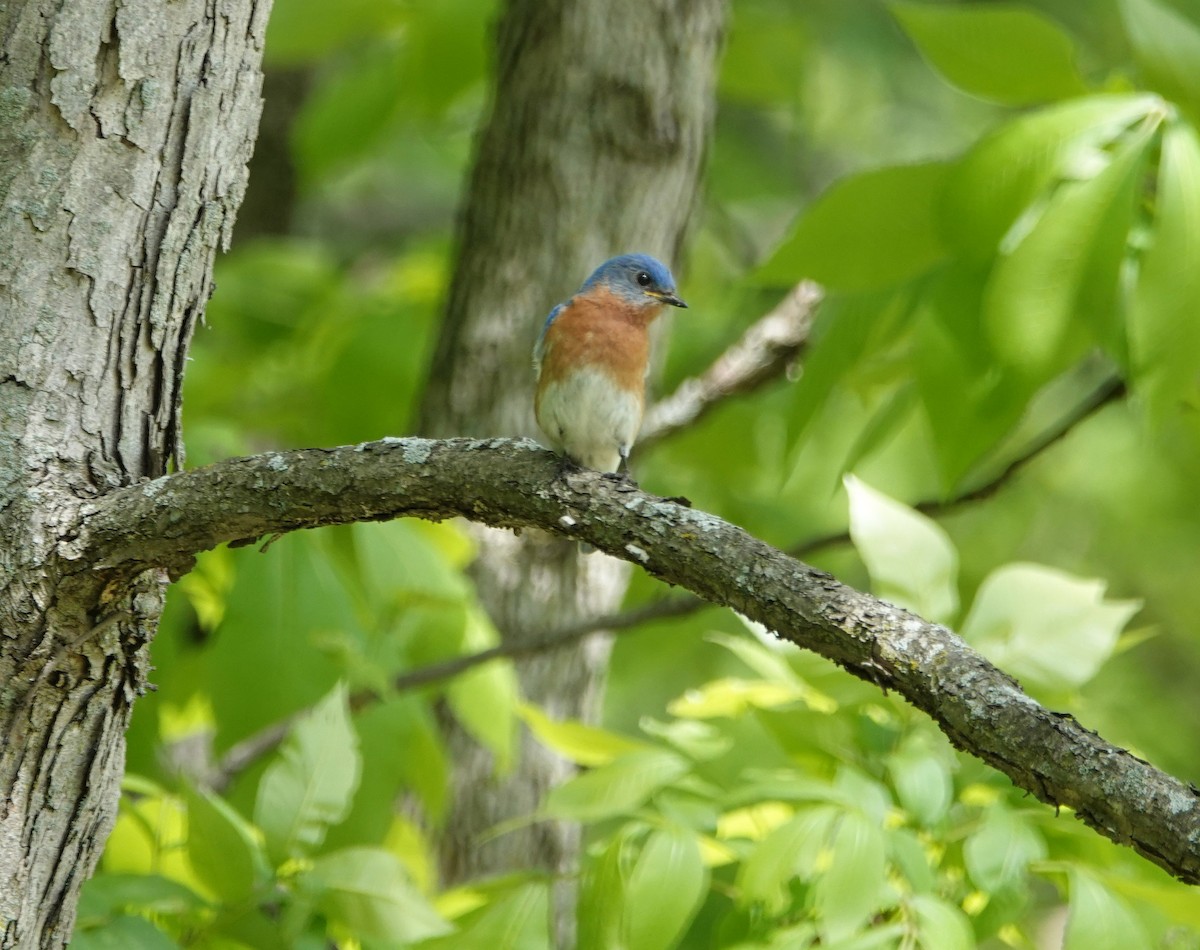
(1004, 205)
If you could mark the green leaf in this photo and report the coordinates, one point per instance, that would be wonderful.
(852, 888)
(577, 741)
(1000, 851)
(1163, 330)
(921, 779)
(618, 788)
(311, 784)
(888, 419)
(367, 891)
(222, 848)
(1041, 289)
(911, 559)
(602, 897)
(484, 699)
(997, 181)
(1045, 626)
(1166, 46)
(107, 894)
(789, 851)
(123, 933)
(969, 402)
(942, 926)
(1099, 918)
(1003, 52)
(265, 663)
(867, 232)
(666, 885)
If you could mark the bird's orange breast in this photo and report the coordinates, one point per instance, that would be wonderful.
(603, 332)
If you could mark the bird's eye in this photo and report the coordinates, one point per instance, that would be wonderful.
(643, 279)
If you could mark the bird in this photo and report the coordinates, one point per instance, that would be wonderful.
(591, 360)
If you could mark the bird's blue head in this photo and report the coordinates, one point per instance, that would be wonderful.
(639, 278)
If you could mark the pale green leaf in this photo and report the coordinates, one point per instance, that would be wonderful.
(1045, 626)
(1099, 918)
(868, 231)
(999, 51)
(922, 781)
(1164, 331)
(311, 783)
(941, 926)
(853, 887)
(367, 891)
(666, 885)
(911, 559)
(619, 788)
(789, 851)
(1000, 851)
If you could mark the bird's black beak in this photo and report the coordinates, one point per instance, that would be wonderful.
(673, 300)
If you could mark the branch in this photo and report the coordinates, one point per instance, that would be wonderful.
(514, 484)
(765, 351)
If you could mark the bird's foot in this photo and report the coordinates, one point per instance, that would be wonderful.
(621, 479)
(680, 500)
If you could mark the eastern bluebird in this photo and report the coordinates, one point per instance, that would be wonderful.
(591, 361)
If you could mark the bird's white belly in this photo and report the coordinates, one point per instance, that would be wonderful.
(590, 419)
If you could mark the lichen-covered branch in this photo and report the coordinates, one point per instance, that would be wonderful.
(514, 484)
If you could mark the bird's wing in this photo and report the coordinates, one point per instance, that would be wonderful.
(539, 348)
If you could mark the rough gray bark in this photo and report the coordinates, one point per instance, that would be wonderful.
(595, 146)
(513, 484)
(125, 128)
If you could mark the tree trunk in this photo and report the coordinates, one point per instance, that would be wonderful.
(595, 146)
(125, 129)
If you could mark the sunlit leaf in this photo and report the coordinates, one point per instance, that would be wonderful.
(311, 783)
(911, 559)
(1045, 626)
(868, 231)
(998, 51)
(577, 741)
